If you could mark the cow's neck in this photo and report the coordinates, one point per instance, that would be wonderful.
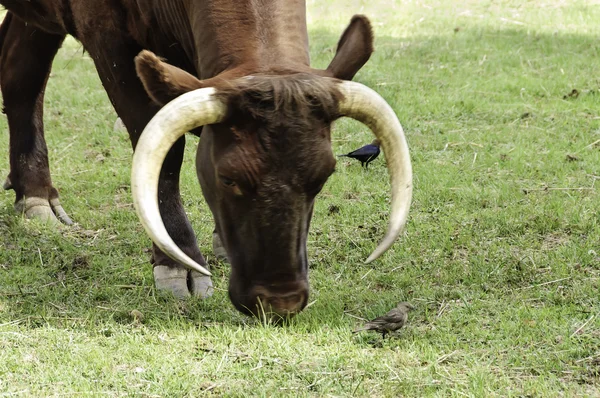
(252, 35)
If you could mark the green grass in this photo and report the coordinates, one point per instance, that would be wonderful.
(501, 256)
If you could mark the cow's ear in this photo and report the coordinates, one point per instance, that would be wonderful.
(163, 82)
(354, 49)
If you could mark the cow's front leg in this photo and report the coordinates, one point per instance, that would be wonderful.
(25, 63)
(115, 65)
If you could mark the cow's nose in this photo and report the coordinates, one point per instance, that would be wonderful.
(276, 306)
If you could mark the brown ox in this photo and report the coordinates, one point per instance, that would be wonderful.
(238, 68)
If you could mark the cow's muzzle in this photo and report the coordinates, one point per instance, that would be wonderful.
(273, 303)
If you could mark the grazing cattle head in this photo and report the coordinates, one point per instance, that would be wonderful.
(264, 155)
(260, 172)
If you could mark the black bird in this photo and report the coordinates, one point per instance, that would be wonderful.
(365, 154)
(390, 322)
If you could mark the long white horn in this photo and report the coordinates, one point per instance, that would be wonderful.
(186, 112)
(368, 107)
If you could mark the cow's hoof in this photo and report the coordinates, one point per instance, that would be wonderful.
(175, 280)
(218, 248)
(172, 279)
(42, 209)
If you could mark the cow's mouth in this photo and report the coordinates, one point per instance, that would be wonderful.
(273, 303)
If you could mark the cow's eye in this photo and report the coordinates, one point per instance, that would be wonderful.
(228, 182)
(231, 185)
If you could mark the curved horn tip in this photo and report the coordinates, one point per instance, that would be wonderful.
(386, 243)
(374, 256)
(377, 253)
(191, 264)
(197, 267)
(379, 250)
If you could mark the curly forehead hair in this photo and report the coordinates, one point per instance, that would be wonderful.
(278, 101)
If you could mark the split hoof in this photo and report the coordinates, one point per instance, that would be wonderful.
(175, 280)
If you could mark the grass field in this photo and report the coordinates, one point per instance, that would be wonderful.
(500, 101)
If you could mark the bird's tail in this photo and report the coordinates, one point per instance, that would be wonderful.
(343, 155)
(360, 329)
